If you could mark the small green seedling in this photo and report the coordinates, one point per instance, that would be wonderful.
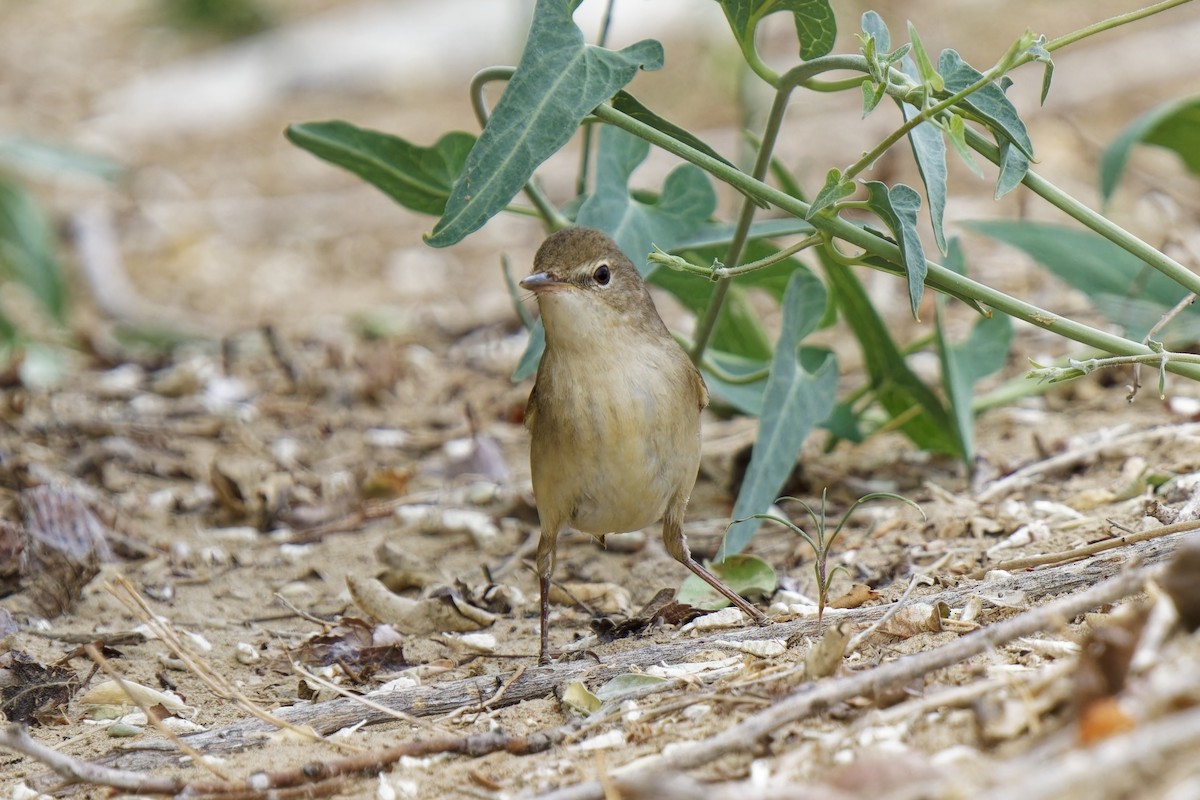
(820, 541)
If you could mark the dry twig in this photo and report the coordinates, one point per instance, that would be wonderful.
(1036, 472)
(814, 697)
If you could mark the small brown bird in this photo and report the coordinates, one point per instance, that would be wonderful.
(615, 412)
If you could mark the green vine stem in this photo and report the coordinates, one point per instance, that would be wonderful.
(719, 271)
(925, 114)
(804, 74)
(938, 277)
(1096, 222)
(1109, 24)
(546, 209)
(585, 148)
(1076, 368)
(793, 78)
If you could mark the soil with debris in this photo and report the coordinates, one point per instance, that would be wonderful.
(320, 488)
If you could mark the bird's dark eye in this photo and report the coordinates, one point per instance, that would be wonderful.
(602, 275)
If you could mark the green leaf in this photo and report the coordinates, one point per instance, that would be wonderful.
(1013, 166)
(628, 104)
(964, 364)
(877, 30)
(1174, 125)
(1039, 52)
(528, 363)
(418, 178)
(744, 397)
(749, 576)
(1122, 286)
(816, 26)
(872, 94)
(925, 73)
(797, 397)
(929, 150)
(957, 131)
(27, 252)
(578, 697)
(835, 189)
(989, 102)
(898, 390)
(557, 83)
(53, 159)
(898, 207)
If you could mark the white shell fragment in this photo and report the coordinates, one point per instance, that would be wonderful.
(246, 653)
(111, 693)
(431, 519)
(605, 741)
(695, 668)
(730, 617)
(476, 642)
(760, 648)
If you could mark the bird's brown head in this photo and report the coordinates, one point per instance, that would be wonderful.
(586, 287)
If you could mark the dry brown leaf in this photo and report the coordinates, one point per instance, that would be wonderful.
(825, 656)
(360, 648)
(442, 612)
(859, 594)
(64, 546)
(916, 618)
(31, 692)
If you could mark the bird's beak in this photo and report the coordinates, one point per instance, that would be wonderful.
(540, 282)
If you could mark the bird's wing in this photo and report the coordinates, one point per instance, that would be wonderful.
(699, 387)
(531, 409)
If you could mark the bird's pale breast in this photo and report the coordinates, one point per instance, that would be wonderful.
(619, 442)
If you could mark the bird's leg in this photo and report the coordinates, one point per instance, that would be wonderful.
(545, 568)
(544, 650)
(735, 598)
(676, 545)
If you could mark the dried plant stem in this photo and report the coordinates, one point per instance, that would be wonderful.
(814, 697)
(1034, 473)
(98, 658)
(72, 770)
(1076, 553)
(129, 597)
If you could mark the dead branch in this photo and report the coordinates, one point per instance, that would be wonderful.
(1118, 765)
(312, 776)
(72, 770)
(1033, 473)
(1076, 553)
(1092, 579)
(812, 698)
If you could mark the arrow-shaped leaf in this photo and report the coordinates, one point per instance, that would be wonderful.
(988, 102)
(816, 26)
(798, 397)
(898, 207)
(418, 178)
(557, 83)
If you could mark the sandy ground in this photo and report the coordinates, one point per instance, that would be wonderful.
(240, 462)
